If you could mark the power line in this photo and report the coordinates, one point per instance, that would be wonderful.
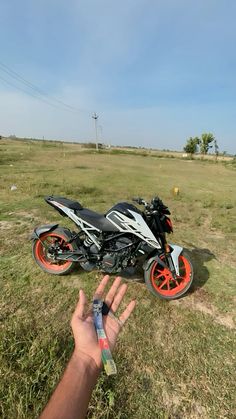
(19, 78)
(31, 94)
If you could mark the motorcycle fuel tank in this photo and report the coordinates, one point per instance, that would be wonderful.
(124, 208)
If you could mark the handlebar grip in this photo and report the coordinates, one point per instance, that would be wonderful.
(138, 200)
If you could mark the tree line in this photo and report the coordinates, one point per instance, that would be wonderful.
(202, 144)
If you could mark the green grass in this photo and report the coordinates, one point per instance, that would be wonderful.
(175, 359)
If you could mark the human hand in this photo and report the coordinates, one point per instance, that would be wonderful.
(86, 343)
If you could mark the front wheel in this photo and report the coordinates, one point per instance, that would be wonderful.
(160, 282)
(58, 239)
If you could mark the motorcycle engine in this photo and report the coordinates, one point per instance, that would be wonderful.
(109, 262)
(118, 259)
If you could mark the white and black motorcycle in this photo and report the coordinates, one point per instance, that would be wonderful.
(119, 241)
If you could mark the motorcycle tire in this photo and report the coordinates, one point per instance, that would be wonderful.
(161, 283)
(41, 257)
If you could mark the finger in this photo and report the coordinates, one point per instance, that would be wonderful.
(127, 312)
(89, 310)
(80, 308)
(118, 297)
(112, 291)
(101, 287)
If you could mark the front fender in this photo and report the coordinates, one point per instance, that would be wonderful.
(176, 251)
(148, 262)
(38, 231)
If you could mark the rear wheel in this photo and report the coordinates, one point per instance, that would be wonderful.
(42, 251)
(161, 283)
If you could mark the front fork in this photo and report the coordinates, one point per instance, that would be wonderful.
(172, 258)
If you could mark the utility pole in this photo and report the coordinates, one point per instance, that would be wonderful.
(101, 131)
(216, 147)
(95, 117)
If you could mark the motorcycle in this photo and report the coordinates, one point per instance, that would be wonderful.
(119, 241)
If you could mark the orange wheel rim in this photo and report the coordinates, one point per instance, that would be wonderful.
(41, 253)
(163, 281)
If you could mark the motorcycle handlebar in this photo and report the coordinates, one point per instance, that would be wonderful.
(139, 201)
(155, 204)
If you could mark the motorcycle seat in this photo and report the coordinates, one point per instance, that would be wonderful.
(74, 205)
(97, 220)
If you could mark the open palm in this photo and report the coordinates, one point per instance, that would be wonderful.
(82, 321)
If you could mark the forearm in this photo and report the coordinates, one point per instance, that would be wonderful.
(71, 398)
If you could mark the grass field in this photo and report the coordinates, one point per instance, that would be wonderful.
(175, 359)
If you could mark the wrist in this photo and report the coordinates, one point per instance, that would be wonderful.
(86, 361)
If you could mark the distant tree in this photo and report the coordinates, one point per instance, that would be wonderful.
(192, 145)
(205, 141)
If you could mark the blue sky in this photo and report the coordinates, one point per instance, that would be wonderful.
(156, 72)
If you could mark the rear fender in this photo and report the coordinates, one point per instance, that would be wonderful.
(38, 231)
